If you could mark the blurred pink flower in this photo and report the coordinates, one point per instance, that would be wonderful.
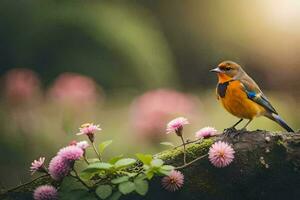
(221, 154)
(176, 125)
(45, 192)
(83, 144)
(59, 168)
(174, 181)
(37, 165)
(151, 112)
(73, 143)
(21, 85)
(74, 90)
(206, 132)
(70, 153)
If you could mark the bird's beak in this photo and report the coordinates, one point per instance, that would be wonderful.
(217, 70)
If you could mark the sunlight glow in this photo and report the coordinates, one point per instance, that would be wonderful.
(283, 13)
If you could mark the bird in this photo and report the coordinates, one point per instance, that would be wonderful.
(242, 97)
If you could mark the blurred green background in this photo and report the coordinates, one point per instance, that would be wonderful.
(131, 66)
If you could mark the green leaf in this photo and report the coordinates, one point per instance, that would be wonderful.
(145, 158)
(78, 194)
(88, 196)
(132, 174)
(71, 188)
(87, 175)
(113, 160)
(103, 145)
(126, 187)
(141, 186)
(146, 167)
(141, 177)
(124, 162)
(149, 174)
(167, 167)
(170, 144)
(157, 163)
(98, 166)
(70, 183)
(93, 160)
(116, 196)
(164, 172)
(104, 191)
(120, 180)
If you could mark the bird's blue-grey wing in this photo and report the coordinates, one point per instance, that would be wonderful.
(255, 94)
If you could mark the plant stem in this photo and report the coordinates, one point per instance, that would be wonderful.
(86, 160)
(79, 179)
(189, 142)
(95, 149)
(21, 185)
(189, 163)
(184, 150)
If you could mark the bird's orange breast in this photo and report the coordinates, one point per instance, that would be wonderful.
(236, 102)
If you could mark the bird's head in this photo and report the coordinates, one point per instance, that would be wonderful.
(227, 70)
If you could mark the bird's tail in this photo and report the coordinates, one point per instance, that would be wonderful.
(280, 121)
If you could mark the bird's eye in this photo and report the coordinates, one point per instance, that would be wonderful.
(227, 68)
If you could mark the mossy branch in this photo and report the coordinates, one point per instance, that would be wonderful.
(266, 166)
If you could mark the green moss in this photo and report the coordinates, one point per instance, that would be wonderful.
(193, 149)
(197, 149)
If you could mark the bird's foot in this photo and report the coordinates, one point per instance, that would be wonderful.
(244, 129)
(229, 132)
(235, 134)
